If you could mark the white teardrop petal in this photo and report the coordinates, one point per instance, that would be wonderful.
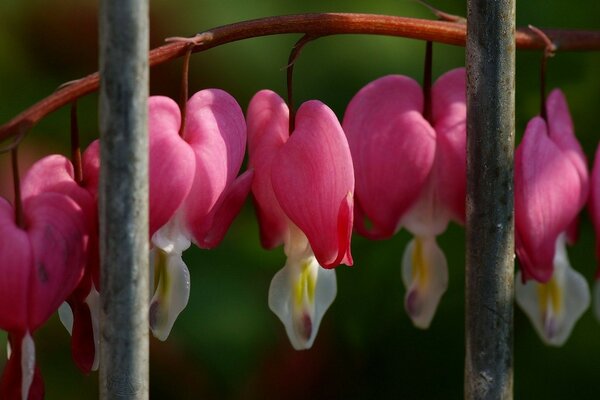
(425, 276)
(554, 307)
(65, 314)
(93, 302)
(27, 364)
(171, 295)
(300, 294)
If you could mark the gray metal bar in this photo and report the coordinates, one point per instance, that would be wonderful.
(490, 59)
(123, 198)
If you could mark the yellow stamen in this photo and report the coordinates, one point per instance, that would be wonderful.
(550, 294)
(305, 285)
(420, 266)
(161, 277)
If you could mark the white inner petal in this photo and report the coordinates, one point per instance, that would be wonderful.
(554, 307)
(171, 294)
(65, 314)
(301, 292)
(27, 364)
(425, 276)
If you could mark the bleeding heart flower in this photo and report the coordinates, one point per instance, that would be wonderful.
(551, 187)
(40, 266)
(547, 199)
(196, 191)
(54, 174)
(410, 172)
(303, 187)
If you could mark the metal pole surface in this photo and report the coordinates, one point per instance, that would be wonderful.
(490, 59)
(123, 199)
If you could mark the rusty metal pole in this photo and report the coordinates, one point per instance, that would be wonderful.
(123, 198)
(490, 59)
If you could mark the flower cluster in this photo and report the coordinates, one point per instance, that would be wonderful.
(394, 162)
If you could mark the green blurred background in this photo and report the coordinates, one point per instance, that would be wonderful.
(227, 344)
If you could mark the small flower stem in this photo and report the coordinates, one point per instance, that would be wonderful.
(548, 52)
(20, 220)
(294, 54)
(427, 112)
(183, 96)
(75, 147)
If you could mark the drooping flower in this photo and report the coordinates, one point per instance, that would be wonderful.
(54, 174)
(410, 172)
(551, 187)
(213, 142)
(303, 190)
(40, 266)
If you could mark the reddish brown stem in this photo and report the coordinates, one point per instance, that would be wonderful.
(184, 88)
(294, 54)
(315, 24)
(75, 147)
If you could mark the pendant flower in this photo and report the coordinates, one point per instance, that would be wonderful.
(551, 187)
(410, 172)
(80, 312)
(303, 188)
(40, 266)
(200, 200)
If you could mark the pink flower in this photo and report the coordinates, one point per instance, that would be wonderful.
(303, 187)
(410, 172)
(194, 192)
(40, 266)
(54, 174)
(551, 187)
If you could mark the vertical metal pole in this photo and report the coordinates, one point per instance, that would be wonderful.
(123, 198)
(490, 212)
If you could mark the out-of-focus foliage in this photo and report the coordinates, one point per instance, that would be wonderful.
(227, 344)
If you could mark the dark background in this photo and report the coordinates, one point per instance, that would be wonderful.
(227, 344)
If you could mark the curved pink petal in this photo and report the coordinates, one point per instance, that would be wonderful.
(171, 161)
(449, 109)
(313, 181)
(562, 132)
(594, 204)
(83, 343)
(547, 191)
(90, 163)
(216, 131)
(226, 209)
(15, 268)
(56, 230)
(268, 130)
(392, 149)
(54, 173)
